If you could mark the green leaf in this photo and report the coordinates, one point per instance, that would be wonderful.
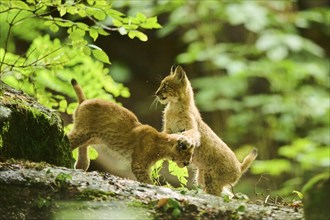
(64, 23)
(151, 23)
(72, 10)
(299, 146)
(226, 198)
(71, 107)
(20, 4)
(138, 34)
(274, 167)
(87, 51)
(76, 34)
(91, 2)
(241, 208)
(101, 55)
(82, 11)
(299, 194)
(173, 203)
(102, 32)
(82, 26)
(93, 154)
(54, 28)
(62, 10)
(117, 23)
(93, 33)
(99, 15)
(176, 213)
(130, 26)
(48, 23)
(90, 11)
(141, 17)
(62, 105)
(180, 173)
(114, 13)
(75, 154)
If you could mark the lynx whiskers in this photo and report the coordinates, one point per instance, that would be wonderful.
(102, 122)
(216, 164)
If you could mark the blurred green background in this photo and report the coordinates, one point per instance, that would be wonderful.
(259, 69)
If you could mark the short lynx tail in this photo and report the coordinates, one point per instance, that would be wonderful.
(249, 159)
(78, 90)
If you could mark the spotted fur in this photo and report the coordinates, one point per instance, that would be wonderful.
(215, 163)
(102, 122)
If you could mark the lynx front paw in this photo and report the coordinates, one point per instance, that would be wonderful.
(192, 140)
(184, 142)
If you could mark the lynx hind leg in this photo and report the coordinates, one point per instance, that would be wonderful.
(83, 158)
(227, 191)
(213, 185)
(141, 173)
(78, 139)
(200, 177)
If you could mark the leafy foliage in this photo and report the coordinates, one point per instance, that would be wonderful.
(171, 206)
(180, 173)
(49, 63)
(267, 80)
(59, 37)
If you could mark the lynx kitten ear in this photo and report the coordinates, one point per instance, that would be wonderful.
(173, 69)
(179, 73)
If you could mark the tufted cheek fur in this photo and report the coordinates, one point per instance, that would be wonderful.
(174, 91)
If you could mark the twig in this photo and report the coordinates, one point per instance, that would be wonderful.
(7, 39)
(266, 200)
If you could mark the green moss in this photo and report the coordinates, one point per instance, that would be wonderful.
(91, 194)
(316, 197)
(31, 131)
(140, 204)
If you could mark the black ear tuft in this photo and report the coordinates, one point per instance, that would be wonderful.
(179, 73)
(173, 67)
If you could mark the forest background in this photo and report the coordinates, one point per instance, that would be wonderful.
(260, 70)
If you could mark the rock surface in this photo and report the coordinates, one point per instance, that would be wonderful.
(31, 131)
(40, 191)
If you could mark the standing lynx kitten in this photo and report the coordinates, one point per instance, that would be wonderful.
(216, 163)
(101, 122)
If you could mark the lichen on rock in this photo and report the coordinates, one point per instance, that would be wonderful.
(40, 191)
(31, 131)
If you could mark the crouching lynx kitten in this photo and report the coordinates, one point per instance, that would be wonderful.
(216, 163)
(101, 122)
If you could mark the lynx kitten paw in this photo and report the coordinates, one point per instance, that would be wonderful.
(194, 141)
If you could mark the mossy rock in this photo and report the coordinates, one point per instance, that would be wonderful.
(31, 190)
(317, 198)
(31, 131)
